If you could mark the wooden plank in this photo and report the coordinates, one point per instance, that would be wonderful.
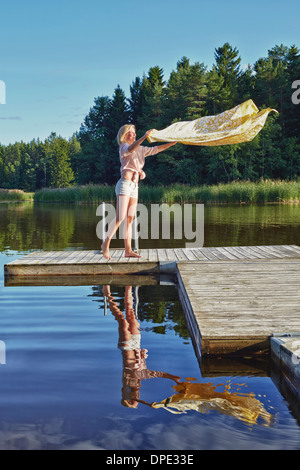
(260, 252)
(144, 253)
(171, 254)
(117, 255)
(250, 252)
(34, 257)
(214, 254)
(238, 253)
(190, 255)
(87, 280)
(40, 257)
(200, 254)
(96, 257)
(180, 254)
(290, 251)
(92, 256)
(283, 251)
(76, 258)
(153, 256)
(242, 266)
(235, 300)
(272, 252)
(81, 269)
(227, 253)
(54, 257)
(162, 255)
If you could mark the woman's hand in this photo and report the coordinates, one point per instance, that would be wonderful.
(138, 142)
(148, 133)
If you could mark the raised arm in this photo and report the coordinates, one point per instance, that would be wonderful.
(138, 142)
(163, 147)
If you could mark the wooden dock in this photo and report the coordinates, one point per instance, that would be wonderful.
(237, 306)
(234, 298)
(92, 262)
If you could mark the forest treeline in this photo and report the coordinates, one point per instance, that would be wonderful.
(191, 91)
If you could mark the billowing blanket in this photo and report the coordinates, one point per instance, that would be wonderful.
(239, 124)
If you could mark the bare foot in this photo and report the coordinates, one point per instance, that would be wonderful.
(105, 251)
(131, 254)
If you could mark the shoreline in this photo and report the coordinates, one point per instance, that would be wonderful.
(238, 193)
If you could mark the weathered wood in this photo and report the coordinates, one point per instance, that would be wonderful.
(190, 255)
(91, 280)
(237, 306)
(153, 255)
(213, 254)
(198, 252)
(207, 253)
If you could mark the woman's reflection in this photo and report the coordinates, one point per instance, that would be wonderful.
(134, 358)
(200, 397)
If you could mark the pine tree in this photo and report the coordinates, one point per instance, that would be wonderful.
(175, 105)
(195, 91)
(98, 162)
(246, 84)
(186, 92)
(136, 100)
(228, 66)
(151, 98)
(58, 155)
(118, 114)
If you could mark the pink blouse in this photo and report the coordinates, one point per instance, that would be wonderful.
(135, 160)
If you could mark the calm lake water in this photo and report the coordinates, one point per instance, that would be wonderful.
(67, 379)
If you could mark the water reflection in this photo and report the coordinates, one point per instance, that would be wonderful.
(203, 397)
(28, 226)
(134, 358)
(200, 397)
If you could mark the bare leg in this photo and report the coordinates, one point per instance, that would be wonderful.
(128, 228)
(124, 330)
(122, 207)
(133, 323)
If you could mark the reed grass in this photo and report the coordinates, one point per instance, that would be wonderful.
(15, 195)
(239, 192)
(78, 194)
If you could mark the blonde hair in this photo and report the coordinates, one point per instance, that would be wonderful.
(122, 132)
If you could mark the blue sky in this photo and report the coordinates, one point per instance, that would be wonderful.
(56, 57)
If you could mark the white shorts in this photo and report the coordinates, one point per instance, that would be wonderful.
(127, 188)
(131, 344)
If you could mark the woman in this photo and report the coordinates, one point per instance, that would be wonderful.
(132, 157)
